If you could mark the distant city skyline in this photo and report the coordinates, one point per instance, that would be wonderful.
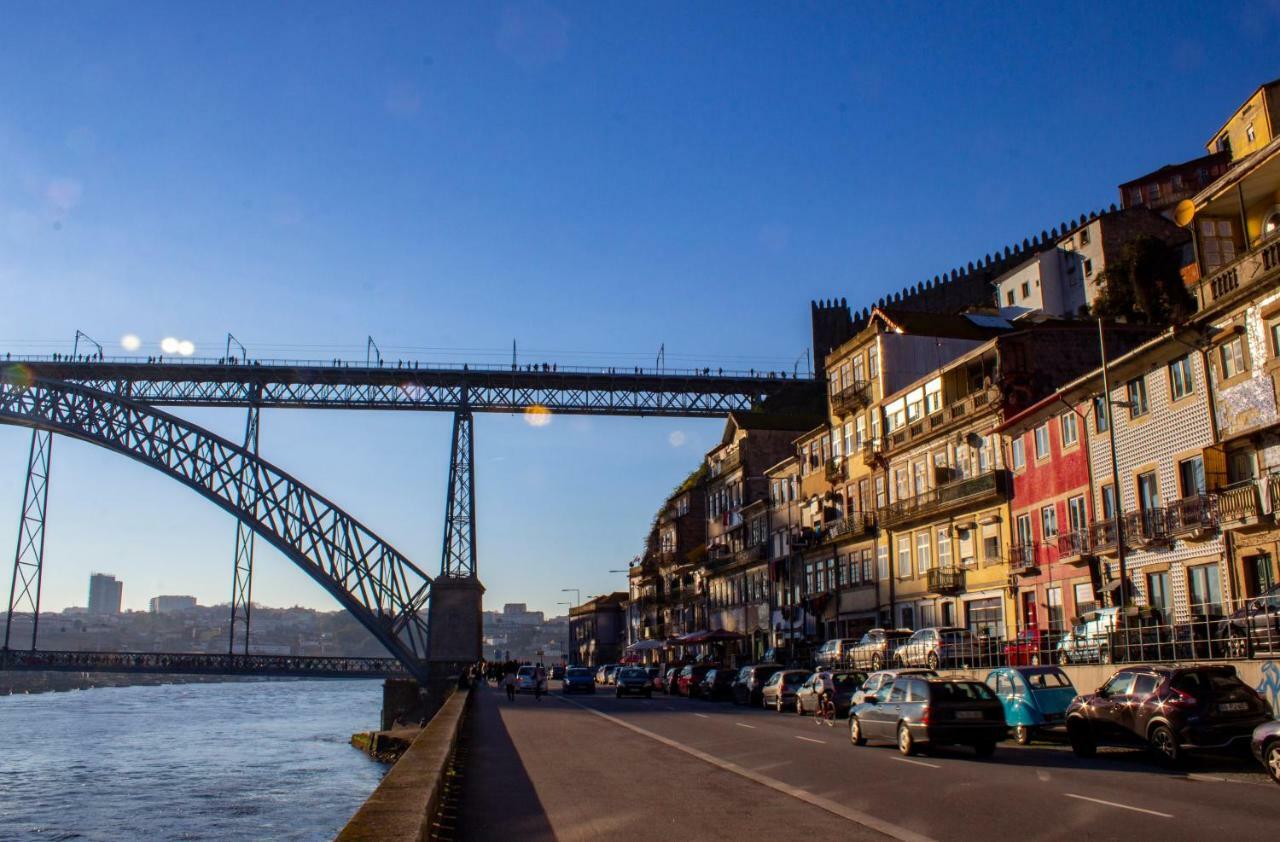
(592, 182)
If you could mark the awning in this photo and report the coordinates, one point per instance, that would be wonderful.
(646, 646)
(720, 635)
(689, 639)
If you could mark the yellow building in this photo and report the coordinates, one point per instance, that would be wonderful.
(1253, 125)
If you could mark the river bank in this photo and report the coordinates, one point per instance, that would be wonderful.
(24, 683)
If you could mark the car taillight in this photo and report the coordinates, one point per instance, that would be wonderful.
(924, 715)
(1180, 699)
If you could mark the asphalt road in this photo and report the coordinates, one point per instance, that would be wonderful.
(584, 767)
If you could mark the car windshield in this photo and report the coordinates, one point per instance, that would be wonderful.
(795, 677)
(577, 672)
(956, 636)
(1049, 680)
(525, 671)
(846, 680)
(634, 673)
(1206, 683)
(960, 691)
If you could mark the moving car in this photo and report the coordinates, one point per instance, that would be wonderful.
(746, 690)
(931, 711)
(1168, 709)
(879, 684)
(578, 680)
(780, 690)
(633, 681)
(875, 650)
(936, 647)
(1266, 747)
(1034, 698)
(842, 685)
(690, 677)
(527, 680)
(718, 683)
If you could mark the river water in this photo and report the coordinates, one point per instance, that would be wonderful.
(244, 760)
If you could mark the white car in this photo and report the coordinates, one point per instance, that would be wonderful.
(527, 680)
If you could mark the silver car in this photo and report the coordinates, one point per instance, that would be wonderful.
(937, 646)
(779, 692)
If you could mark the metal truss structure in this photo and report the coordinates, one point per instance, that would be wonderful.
(186, 663)
(28, 558)
(242, 558)
(368, 577)
(458, 560)
(308, 385)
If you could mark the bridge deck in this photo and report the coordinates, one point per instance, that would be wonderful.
(702, 392)
(182, 663)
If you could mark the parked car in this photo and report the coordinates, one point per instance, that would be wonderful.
(717, 684)
(656, 677)
(669, 684)
(937, 647)
(578, 680)
(931, 711)
(746, 690)
(690, 677)
(527, 680)
(878, 684)
(1168, 709)
(611, 673)
(1089, 641)
(1266, 747)
(633, 681)
(1253, 626)
(557, 672)
(779, 692)
(834, 653)
(1027, 649)
(798, 652)
(841, 685)
(1034, 699)
(875, 650)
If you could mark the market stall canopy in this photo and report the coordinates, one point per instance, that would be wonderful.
(690, 639)
(646, 646)
(720, 635)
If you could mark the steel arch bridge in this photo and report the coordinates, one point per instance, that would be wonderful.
(386, 592)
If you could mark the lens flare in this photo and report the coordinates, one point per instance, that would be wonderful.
(130, 342)
(537, 416)
(186, 347)
(16, 375)
(169, 345)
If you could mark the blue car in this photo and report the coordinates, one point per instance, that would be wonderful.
(1034, 698)
(578, 680)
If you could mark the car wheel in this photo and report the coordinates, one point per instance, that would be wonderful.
(1165, 745)
(1271, 760)
(876, 662)
(906, 744)
(799, 707)
(932, 660)
(777, 703)
(1082, 742)
(855, 732)
(985, 748)
(1022, 734)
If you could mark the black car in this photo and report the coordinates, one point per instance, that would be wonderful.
(1266, 747)
(578, 680)
(1168, 709)
(633, 681)
(923, 711)
(746, 690)
(718, 684)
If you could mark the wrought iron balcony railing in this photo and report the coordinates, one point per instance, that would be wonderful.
(872, 451)
(1074, 544)
(1149, 527)
(973, 491)
(758, 552)
(1196, 513)
(857, 395)
(1022, 557)
(851, 526)
(1102, 536)
(945, 580)
(836, 471)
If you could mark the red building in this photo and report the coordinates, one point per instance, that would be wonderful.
(1051, 571)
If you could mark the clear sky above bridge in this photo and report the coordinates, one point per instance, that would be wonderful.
(589, 180)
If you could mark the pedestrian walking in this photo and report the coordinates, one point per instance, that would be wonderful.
(509, 682)
(539, 678)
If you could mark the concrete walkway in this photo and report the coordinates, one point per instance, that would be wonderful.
(550, 770)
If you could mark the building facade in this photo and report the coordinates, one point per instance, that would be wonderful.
(105, 594)
(598, 630)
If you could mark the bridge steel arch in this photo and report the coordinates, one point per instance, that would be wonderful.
(386, 592)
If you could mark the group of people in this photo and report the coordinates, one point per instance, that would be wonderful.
(504, 673)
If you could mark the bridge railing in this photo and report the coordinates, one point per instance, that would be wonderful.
(196, 663)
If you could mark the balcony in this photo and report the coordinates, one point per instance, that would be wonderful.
(1192, 517)
(1250, 270)
(945, 580)
(872, 452)
(1240, 506)
(727, 464)
(855, 396)
(853, 526)
(1147, 528)
(836, 471)
(1022, 558)
(956, 414)
(759, 552)
(1102, 537)
(1074, 546)
(990, 487)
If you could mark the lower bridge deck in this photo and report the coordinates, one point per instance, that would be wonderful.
(183, 663)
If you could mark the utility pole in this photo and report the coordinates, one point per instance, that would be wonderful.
(1115, 468)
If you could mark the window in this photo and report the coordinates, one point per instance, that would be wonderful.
(1273, 331)
(873, 361)
(1153, 192)
(1088, 267)
(881, 501)
(1026, 290)
(1018, 454)
(1148, 491)
(1076, 513)
(1177, 182)
(923, 552)
(1250, 133)
(1180, 382)
(1057, 617)
(1224, 143)
(882, 560)
(1049, 522)
(991, 549)
(985, 617)
(919, 484)
(1042, 440)
(1137, 392)
(1217, 243)
(1009, 297)
(1100, 419)
(1084, 598)
(859, 369)
(850, 443)
(1135, 196)
(1191, 476)
(1069, 432)
(1158, 591)
(859, 432)
(1084, 237)
(901, 488)
(944, 547)
(1108, 502)
(1231, 357)
(1023, 530)
(904, 556)
(1204, 595)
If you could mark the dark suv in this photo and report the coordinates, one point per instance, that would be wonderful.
(1168, 709)
(746, 690)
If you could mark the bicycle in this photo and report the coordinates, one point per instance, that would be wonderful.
(826, 712)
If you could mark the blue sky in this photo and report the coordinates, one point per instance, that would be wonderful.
(589, 179)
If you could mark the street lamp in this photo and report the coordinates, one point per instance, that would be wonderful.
(577, 594)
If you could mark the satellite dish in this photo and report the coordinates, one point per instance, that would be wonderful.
(1184, 213)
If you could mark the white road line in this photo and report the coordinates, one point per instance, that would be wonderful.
(1196, 776)
(744, 725)
(670, 707)
(916, 762)
(1121, 806)
(835, 808)
(811, 740)
(703, 715)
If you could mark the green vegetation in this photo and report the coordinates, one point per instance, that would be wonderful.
(1144, 285)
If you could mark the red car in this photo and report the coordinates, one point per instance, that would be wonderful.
(689, 679)
(1027, 650)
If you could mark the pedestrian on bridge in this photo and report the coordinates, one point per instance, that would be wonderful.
(509, 682)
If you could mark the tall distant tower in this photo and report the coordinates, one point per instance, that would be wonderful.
(832, 327)
(105, 593)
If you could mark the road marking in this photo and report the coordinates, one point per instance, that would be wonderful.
(1196, 776)
(703, 715)
(916, 762)
(671, 707)
(811, 740)
(744, 725)
(835, 808)
(1121, 806)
